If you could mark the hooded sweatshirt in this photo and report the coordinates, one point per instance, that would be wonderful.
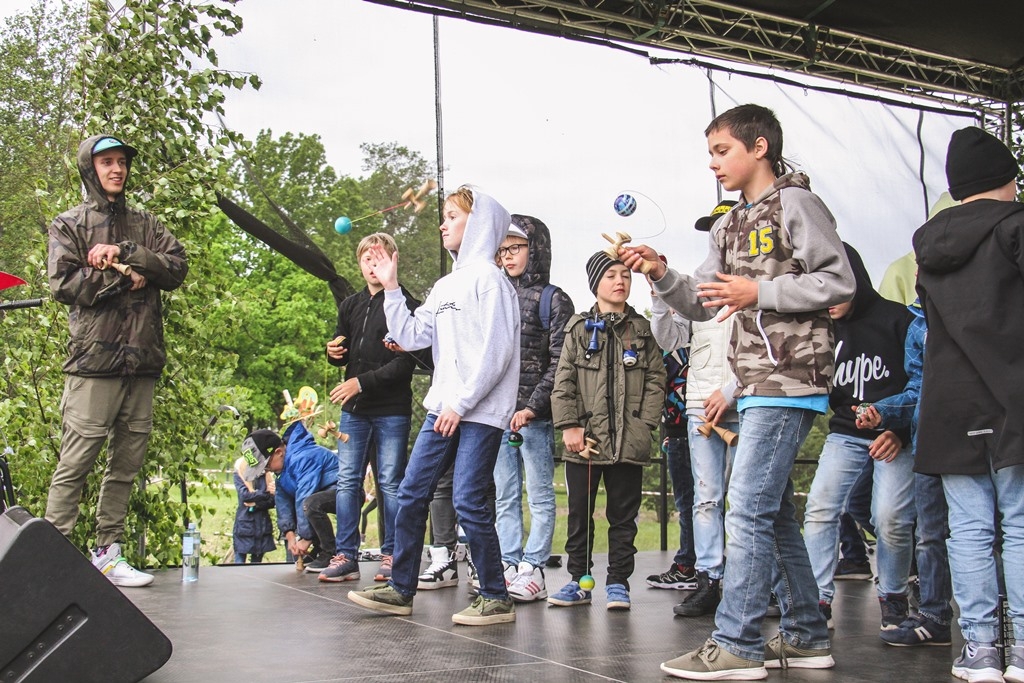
(786, 240)
(114, 332)
(870, 348)
(539, 348)
(971, 282)
(471, 322)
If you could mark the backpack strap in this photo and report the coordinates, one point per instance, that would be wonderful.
(545, 305)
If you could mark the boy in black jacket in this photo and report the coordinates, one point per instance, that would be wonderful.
(971, 282)
(870, 335)
(376, 400)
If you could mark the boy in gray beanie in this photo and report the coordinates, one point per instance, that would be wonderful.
(607, 397)
(971, 282)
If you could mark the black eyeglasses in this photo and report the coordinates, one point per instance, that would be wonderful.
(512, 249)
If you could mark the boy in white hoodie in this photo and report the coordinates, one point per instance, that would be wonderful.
(471, 321)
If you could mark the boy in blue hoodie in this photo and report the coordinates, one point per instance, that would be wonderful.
(471, 321)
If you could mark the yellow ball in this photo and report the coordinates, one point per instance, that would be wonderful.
(587, 582)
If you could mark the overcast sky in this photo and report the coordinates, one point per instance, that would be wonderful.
(557, 129)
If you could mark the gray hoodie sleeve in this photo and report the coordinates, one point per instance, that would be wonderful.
(826, 278)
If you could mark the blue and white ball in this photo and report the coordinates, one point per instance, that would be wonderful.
(625, 205)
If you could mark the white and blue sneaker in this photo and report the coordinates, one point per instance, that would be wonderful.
(570, 594)
(618, 596)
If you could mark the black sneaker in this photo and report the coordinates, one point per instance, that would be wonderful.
(704, 600)
(826, 611)
(773, 611)
(318, 563)
(895, 609)
(442, 572)
(917, 630)
(678, 577)
(847, 570)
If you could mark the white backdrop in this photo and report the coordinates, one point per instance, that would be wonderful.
(557, 129)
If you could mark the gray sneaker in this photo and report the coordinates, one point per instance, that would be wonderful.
(712, 663)
(978, 663)
(486, 611)
(778, 654)
(1015, 672)
(382, 599)
(340, 569)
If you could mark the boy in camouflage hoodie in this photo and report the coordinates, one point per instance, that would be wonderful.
(775, 262)
(109, 263)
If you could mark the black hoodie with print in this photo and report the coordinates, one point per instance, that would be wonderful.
(870, 346)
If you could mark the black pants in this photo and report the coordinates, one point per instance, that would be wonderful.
(317, 506)
(623, 490)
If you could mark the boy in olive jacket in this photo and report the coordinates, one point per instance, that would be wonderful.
(609, 389)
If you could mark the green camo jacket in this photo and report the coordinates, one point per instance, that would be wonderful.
(114, 332)
(618, 406)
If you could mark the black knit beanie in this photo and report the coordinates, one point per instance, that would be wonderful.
(596, 266)
(977, 162)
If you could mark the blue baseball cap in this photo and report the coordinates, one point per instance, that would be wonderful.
(109, 142)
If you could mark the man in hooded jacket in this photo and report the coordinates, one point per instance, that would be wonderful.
(109, 263)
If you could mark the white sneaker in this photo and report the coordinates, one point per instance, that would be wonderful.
(113, 566)
(528, 584)
(442, 572)
(510, 571)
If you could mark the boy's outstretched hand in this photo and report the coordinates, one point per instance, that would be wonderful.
(385, 266)
(634, 258)
(732, 293)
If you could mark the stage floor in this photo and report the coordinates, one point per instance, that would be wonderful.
(268, 623)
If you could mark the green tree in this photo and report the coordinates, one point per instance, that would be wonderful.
(36, 128)
(392, 169)
(133, 73)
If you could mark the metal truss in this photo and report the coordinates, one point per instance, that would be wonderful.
(729, 32)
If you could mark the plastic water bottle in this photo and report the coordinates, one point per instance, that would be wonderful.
(190, 543)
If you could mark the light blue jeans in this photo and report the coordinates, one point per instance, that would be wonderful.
(763, 541)
(535, 456)
(974, 501)
(390, 435)
(710, 460)
(892, 512)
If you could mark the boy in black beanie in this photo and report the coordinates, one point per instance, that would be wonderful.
(607, 397)
(971, 283)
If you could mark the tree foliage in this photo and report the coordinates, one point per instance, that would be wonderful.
(145, 72)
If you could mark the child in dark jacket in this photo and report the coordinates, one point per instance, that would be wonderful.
(970, 279)
(870, 336)
(607, 399)
(525, 256)
(253, 534)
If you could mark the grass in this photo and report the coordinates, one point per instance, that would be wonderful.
(220, 503)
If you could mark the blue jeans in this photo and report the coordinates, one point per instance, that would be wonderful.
(473, 448)
(932, 559)
(765, 548)
(974, 501)
(677, 456)
(535, 456)
(858, 512)
(389, 435)
(710, 460)
(892, 512)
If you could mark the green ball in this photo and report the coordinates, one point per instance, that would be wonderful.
(515, 439)
(587, 582)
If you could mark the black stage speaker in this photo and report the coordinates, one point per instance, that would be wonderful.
(60, 619)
